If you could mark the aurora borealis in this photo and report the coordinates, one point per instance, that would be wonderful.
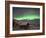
(26, 18)
(26, 13)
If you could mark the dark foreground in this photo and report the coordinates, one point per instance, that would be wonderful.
(26, 24)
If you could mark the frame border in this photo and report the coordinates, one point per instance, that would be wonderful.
(7, 18)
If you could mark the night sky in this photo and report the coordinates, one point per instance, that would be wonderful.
(26, 13)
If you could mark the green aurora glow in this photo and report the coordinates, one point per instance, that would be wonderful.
(27, 17)
(26, 13)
